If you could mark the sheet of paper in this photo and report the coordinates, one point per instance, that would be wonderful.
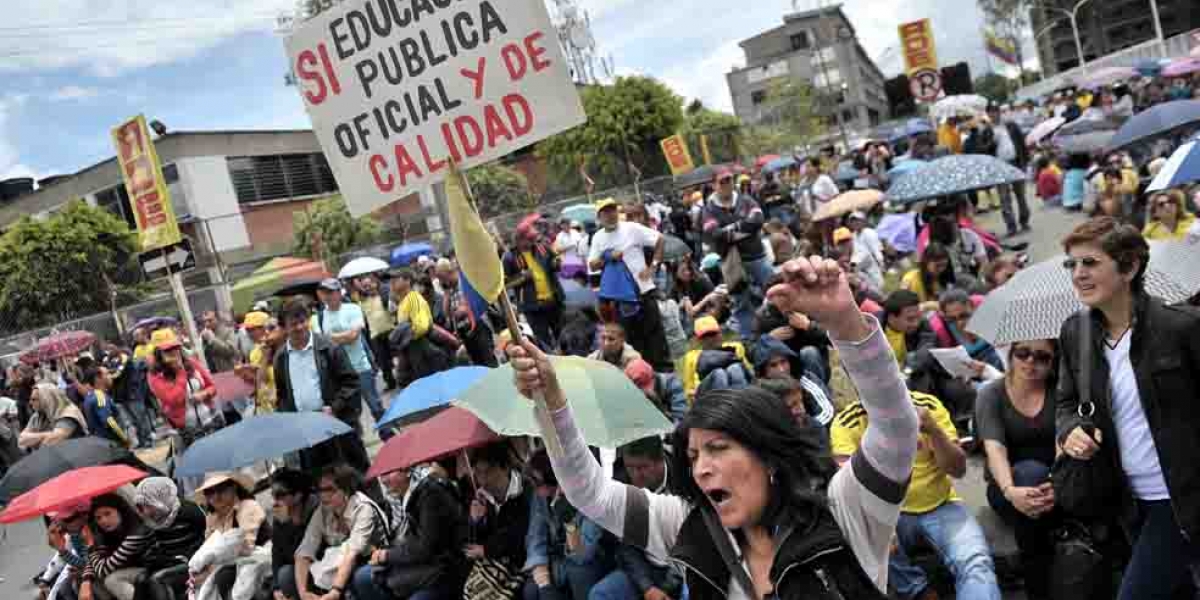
(955, 360)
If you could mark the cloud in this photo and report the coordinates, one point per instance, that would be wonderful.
(10, 165)
(108, 39)
(74, 92)
(705, 78)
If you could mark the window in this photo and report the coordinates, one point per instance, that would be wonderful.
(828, 78)
(758, 96)
(116, 201)
(280, 177)
(847, 116)
(800, 41)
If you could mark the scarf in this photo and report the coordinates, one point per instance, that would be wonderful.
(53, 405)
(514, 490)
(399, 504)
(161, 495)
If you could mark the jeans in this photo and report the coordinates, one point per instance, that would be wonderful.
(572, 581)
(733, 377)
(814, 364)
(1006, 196)
(1161, 556)
(758, 273)
(136, 413)
(546, 323)
(1034, 537)
(364, 587)
(644, 331)
(955, 535)
(370, 393)
(618, 586)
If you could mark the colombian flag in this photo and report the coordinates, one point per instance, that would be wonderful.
(1001, 48)
(474, 246)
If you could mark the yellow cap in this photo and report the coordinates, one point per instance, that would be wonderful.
(842, 234)
(256, 319)
(743, 178)
(164, 339)
(605, 203)
(706, 325)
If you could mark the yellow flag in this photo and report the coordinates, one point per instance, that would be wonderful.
(475, 247)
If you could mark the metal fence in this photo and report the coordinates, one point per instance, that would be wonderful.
(1172, 47)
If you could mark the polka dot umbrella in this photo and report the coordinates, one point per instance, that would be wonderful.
(954, 174)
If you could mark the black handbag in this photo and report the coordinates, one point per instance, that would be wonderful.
(1080, 567)
(404, 581)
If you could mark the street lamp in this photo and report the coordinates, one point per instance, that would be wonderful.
(1073, 15)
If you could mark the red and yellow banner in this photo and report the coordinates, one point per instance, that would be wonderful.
(678, 157)
(920, 52)
(148, 194)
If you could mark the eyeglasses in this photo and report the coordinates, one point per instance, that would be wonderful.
(1038, 356)
(1162, 203)
(1088, 262)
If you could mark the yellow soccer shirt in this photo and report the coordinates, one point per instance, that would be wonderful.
(930, 487)
(541, 283)
(264, 393)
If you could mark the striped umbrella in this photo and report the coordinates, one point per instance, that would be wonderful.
(1181, 169)
(59, 345)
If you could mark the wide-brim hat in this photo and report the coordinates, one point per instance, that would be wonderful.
(212, 480)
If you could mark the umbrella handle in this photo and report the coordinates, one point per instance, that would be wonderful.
(540, 411)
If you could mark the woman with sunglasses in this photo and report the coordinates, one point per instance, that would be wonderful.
(1169, 217)
(1014, 417)
(1138, 382)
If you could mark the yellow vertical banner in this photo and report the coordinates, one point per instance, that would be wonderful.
(704, 149)
(676, 151)
(149, 197)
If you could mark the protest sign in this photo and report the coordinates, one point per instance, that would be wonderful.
(396, 87)
(676, 152)
(145, 185)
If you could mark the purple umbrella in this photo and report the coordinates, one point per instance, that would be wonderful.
(1182, 66)
(900, 231)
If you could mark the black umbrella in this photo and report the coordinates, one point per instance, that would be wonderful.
(698, 176)
(50, 462)
(303, 287)
(674, 249)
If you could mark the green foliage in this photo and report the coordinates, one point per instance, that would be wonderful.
(329, 221)
(499, 190)
(626, 120)
(724, 133)
(57, 269)
(994, 87)
(791, 119)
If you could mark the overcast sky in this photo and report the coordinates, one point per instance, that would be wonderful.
(74, 68)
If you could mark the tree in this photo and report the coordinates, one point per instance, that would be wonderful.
(66, 266)
(327, 223)
(996, 88)
(626, 121)
(499, 190)
(723, 130)
(790, 119)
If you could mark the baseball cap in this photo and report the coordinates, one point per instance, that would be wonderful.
(743, 178)
(256, 319)
(605, 203)
(641, 374)
(262, 306)
(842, 234)
(331, 284)
(696, 196)
(858, 214)
(164, 339)
(706, 326)
(724, 174)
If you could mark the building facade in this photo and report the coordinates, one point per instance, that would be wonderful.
(817, 48)
(1105, 26)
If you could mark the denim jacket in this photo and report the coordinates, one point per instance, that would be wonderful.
(546, 539)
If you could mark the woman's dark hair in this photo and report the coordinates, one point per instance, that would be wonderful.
(130, 520)
(759, 421)
(1124, 243)
(540, 463)
(1052, 377)
(344, 478)
(578, 337)
(943, 229)
(497, 454)
(162, 368)
(291, 481)
(934, 252)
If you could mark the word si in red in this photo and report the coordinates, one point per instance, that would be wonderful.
(308, 69)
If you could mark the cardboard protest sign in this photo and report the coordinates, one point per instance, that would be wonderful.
(395, 87)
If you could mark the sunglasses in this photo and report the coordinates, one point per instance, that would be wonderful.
(1088, 262)
(1040, 357)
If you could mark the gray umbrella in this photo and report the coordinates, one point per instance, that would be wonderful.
(1084, 143)
(953, 174)
(674, 249)
(1036, 301)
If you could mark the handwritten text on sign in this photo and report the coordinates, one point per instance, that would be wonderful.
(395, 87)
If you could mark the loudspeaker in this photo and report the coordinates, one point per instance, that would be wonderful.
(900, 100)
(956, 79)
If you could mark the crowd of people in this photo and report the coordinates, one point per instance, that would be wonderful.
(817, 436)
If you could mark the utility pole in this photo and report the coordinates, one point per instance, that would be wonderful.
(1158, 30)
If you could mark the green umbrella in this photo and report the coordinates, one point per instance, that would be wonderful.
(609, 409)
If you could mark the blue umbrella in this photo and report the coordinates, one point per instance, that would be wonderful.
(577, 296)
(434, 391)
(954, 174)
(258, 438)
(152, 323)
(847, 172)
(1159, 120)
(918, 126)
(779, 164)
(1181, 169)
(403, 256)
(1148, 67)
(905, 166)
(899, 230)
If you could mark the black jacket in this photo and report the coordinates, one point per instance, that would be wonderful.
(437, 531)
(1018, 140)
(502, 533)
(514, 266)
(746, 217)
(769, 318)
(1165, 352)
(339, 382)
(813, 561)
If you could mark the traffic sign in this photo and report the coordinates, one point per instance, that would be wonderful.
(925, 85)
(179, 257)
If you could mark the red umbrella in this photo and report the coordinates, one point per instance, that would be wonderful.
(56, 346)
(448, 432)
(763, 160)
(230, 387)
(73, 486)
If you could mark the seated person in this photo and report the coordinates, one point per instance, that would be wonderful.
(425, 557)
(716, 364)
(237, 536)
(911, 337)
(807, 341)
(59, 581)
(772, 361)
(498, 515)
(932, 276)
(955, 309)
(564, 552)
(793, 394)
(55, 419)
(118, 545)
(339, 538)
(614, 350)
(177, 530)
(932, 513)
(662, 389)
(292, 507)
(1014, 417)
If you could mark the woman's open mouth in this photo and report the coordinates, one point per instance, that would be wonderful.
(718, 496)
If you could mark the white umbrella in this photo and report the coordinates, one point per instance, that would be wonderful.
(1043, 129)
(961, 105)
(362, 266)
